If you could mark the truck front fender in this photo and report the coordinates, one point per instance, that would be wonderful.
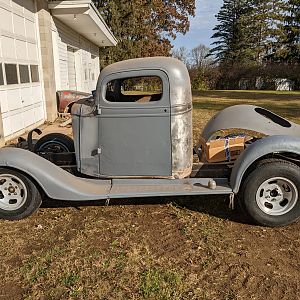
(56, 182)
(259, 149)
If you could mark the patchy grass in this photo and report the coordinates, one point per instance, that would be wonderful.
(192, 248)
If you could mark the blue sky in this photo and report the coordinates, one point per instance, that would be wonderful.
(201, 25)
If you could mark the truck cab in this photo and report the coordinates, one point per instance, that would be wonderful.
(139, 124)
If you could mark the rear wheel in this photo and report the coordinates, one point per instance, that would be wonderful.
(54, 143)
(19, 197)
(270, 194)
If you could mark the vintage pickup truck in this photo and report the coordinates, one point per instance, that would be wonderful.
(133, 138)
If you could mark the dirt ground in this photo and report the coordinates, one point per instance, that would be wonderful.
(163, 248)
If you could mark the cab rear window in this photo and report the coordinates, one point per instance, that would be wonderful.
(135, 89)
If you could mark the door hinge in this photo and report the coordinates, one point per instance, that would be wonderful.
(99, 110)
(99, 150)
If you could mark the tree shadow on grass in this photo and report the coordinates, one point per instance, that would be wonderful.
(217, 206)
(250, 95)
(289, 111)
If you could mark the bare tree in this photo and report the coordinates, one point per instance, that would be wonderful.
(199, 57)
(182, 54)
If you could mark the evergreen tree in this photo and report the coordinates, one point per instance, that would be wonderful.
(143, 27)
(290, 50)
(248, 30)
(231, 44)
(267, 18)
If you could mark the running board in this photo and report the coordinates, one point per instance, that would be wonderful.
(128, 188)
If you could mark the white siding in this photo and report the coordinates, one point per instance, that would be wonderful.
(72, 68)
(22, 104)
(86, 59)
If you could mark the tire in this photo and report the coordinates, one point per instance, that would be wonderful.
(19, 197)
(54, 143)
(270, 194)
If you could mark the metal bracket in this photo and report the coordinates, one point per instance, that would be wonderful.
(97, 151)
(231, 201)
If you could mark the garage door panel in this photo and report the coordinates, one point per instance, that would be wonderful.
(7, 126)
(32, 52)
(28, 117)
(14, 99)
(39, 113)
(37, 94)
(30, 30)
(6, 23)
(26, 96)
(8, 47)
(21, 50)
(19, 26)
(3, 100)
(17, 123)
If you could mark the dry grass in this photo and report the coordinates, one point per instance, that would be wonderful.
(193, 248)
(206, 104)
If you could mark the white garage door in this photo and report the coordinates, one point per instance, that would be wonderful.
(21, 96)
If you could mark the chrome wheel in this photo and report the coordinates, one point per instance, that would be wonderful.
(13, 192)
(277, 196)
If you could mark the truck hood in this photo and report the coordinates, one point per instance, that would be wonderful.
(250, 117)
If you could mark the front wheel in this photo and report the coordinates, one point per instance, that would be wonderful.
(19, 197)
(270, 194)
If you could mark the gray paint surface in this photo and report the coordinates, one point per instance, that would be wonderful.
(86, 135)
(265, 146)
(57, 183)
(245, 117)
(135, 138)
(167, 187)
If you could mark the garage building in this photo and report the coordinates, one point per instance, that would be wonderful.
(45, 47)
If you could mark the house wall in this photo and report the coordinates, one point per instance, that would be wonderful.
(76, 59)
(44, 56)
(48, 67)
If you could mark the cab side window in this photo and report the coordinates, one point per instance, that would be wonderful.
(135, 89)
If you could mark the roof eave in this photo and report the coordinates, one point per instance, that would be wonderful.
(83, 17)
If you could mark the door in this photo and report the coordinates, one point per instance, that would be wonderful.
(21, 95)
(135, 125)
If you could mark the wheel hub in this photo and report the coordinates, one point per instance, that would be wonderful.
(11, 189)
(13, 192)
(277, 196)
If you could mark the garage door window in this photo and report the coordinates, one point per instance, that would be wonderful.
(24, 74)
(11, 74)
(1, 75)
(34, 70)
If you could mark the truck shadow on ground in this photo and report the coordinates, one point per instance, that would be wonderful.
(217, 206)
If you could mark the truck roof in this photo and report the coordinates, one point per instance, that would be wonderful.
(180, 87)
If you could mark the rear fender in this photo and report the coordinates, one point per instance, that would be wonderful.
(250, 117)
(56, 182)
(266, 146)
